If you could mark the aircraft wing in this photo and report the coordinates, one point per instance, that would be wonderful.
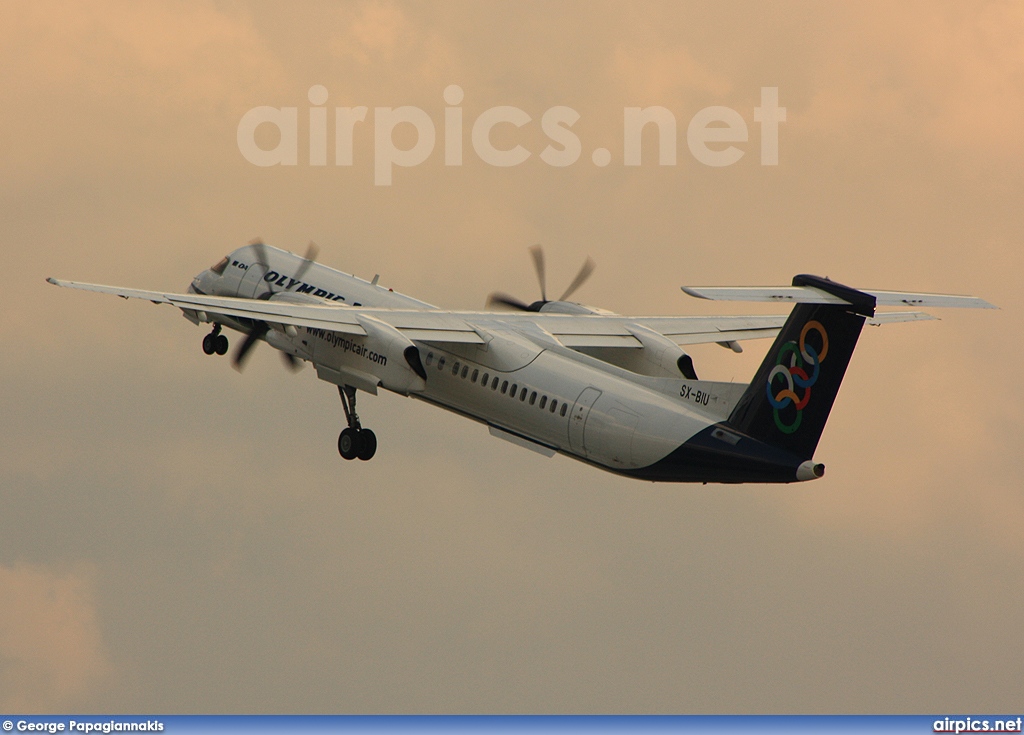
(469, 327)
(299, 315)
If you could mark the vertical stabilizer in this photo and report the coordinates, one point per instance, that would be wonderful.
(791, 395)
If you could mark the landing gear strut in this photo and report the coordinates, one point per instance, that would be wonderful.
(215, 342)
(355, 441)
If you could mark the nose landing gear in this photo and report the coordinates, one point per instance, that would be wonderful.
(355, 441)
(215, 342)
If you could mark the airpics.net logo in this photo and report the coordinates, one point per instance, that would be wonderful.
(712, 134)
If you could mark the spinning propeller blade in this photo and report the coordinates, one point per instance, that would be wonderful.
(580, 279)
(257, 332)
(291, 362)
(506, 300)
(311, 252)
(537, 252)
(538, 264)
(264, 262)
(260, 329)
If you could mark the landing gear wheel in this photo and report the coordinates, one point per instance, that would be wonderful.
(349, 444)
(215, 342)
(368, 442)
(355, 441)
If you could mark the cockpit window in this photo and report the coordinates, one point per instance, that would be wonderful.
(221, 265)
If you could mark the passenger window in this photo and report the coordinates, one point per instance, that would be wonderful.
(512, 391)
(554, 405)
(504, 387)
(494, 385)
(430, 358)
(465, 371)
(440, 363)
(455, 368)
(484, 380)
(476, 374)
(522, 396)
(543, 401)
(562, 412)
(533, 398)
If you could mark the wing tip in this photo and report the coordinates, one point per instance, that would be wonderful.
(692, 292)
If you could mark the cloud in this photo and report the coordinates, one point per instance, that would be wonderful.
(94, 88)
(52, 654)
(376, 29)
(665, 76)
(947, 74)
(149, 55)
(378, 34)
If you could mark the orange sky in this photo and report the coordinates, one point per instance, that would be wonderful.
(190, 535)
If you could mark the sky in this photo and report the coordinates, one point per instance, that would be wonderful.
(177, 538)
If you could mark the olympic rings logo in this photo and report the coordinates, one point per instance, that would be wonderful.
(803, 357)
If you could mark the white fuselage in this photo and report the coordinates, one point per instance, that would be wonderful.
(525, 385)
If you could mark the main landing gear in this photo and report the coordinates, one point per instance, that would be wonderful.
(215, 342)
(355, 441)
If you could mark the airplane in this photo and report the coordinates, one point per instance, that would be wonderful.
(556, 376)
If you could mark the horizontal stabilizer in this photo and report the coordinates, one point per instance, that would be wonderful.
(894, 317)
(812, 295)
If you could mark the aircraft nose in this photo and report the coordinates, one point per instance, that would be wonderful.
(200, 284)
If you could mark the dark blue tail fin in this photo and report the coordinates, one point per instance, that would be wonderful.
(789, 400)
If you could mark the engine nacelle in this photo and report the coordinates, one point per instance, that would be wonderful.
(569, 307)
(383, 356)
(658, 356)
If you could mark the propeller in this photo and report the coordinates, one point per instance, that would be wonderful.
(261, 257)
(511, 301)
(260, 328)
(312, 251)
(585, 270)
(258, 331)
(538, 265)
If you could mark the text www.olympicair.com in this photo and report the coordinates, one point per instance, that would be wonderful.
(338, 340)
